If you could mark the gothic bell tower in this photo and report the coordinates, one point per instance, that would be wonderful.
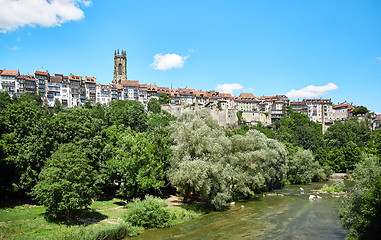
(120, 67)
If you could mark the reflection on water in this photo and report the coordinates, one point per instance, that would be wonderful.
(291, 216)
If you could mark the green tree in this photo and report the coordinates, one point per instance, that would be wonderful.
(67, 182)
(133, 162)
(360, 110)
(198, 165)
(361, 213)
(164, 98)
(26, 141)
(239, 116)
(5, 99)
(129, 113)
(154, 106)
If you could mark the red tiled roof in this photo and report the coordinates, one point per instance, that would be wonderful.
(344, 104)
(55, 79)
(130, 83)
(41, 73)
(246, 95)
(225, 95)
(12, 73)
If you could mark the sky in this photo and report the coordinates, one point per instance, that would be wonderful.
(301, 48)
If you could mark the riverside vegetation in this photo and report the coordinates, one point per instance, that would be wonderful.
(74, 160)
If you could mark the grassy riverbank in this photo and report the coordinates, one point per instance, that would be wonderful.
(25, 220)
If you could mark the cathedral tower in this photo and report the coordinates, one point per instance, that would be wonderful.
(120, 67)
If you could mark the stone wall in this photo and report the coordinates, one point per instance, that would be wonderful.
(225, 117)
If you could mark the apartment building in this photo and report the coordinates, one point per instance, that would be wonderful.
(320, 110)
(26, 83)
(103, 93)
(8, 81)
(342, 111)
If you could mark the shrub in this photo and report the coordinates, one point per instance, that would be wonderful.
(106, 232)
(149, 213)
(337, 186)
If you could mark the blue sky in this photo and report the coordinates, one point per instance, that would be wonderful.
(264, 47)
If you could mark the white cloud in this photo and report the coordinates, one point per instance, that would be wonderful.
(168, 61)
(14, 48)
(311, 91)
(379, 58)
(228, 87)
(15, 14)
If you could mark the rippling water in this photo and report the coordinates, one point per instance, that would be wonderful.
(291, 216)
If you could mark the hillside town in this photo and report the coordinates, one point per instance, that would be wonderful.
(72, 90)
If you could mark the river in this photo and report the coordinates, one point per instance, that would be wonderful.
(292, 216)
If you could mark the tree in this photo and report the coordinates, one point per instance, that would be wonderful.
(164, 98)
(67, 182)
(360, 111)
(361, 213)
(210, 166)
(5, 99)
(198, 165)
(239, 116)
(129, 113)
(133, 162)
(26, 141)
(259, 163)
(154, 106)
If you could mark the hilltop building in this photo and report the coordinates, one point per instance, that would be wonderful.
(73, 90)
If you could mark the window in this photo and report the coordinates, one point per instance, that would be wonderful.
(120, 69)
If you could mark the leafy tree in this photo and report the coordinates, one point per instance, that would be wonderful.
(258, 163)
(67, 182)
(360, 110)
(374, 144)
(5, 99)
(57, 106)
(164, 98)
(25, 143)
(361, 213)
(209, 166)
(133, 163)
(240, 117)
(129, 113)
(350, 131)
(197, 165)
(154, 106)
(303, 169)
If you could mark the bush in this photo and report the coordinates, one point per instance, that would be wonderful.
(106, 232)
(149, 213)
(337, 186)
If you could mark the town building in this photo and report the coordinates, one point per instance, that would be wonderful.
(342, 111)
(8, 81)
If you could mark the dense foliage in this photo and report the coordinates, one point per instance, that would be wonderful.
(361, 213)
(340, 147)
(149, 213)
(210, 166)
(65, 158)
(119, 144)
(66, 182)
